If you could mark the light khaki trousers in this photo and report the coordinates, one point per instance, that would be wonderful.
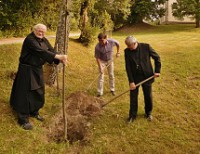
(110, 68)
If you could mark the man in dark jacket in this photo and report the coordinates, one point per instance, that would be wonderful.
(27, 95)
(138, 67)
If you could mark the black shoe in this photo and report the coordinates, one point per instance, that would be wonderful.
(131, 119)
(99, 95)
(38, 117)
(113, 93)
(149, 117)
(27, 126)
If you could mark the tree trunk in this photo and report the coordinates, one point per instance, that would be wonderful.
(197, 18)
(60, 42)
(61, 27)
(197, 22)
(83, 17)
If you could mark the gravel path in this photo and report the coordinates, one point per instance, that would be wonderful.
(20, 40)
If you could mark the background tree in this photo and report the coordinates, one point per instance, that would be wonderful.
(118, 11)
(61, 24)
(61, 42)
(18, 16)
(190, 8)
(49, 13)
(99, 15)
(81, 13)
(146, 9)
(83, 17)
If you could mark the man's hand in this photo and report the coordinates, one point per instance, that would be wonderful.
(62, 58)
(117, 54)
(132, 86)
(101, 69)
(156, 75)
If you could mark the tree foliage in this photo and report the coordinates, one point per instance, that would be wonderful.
(19, 15)
(118, 11)
(190, 8)
(146, 9)
(102, 15)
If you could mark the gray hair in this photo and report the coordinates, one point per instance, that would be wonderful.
(39, 26)
(130, 40)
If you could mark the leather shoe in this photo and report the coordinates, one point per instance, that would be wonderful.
(131, 119)
(113, 93)
(149, 117)
(38, 117)
(27, 126)
(99, 95)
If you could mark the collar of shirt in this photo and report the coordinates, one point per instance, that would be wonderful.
(136, 49)
(38, 39)
(104, 44)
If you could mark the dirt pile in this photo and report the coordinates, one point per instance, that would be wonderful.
(80, 108)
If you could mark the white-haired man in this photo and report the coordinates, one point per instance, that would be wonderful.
(138, 67)
(27, 96)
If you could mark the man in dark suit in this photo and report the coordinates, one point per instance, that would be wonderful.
(27, 96)
(138, 67)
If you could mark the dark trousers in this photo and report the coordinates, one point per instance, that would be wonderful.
(147, 91)
(24, 118)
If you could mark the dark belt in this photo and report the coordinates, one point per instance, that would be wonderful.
(27, 65)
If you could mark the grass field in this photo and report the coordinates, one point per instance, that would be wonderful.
(176, 124)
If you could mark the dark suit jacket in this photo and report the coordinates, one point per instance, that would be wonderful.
(146, 53)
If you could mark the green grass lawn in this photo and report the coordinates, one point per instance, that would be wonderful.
(176, 124)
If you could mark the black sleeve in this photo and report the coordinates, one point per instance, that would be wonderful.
(36, 50)
(128, 67)
(156, 58)
(51, 49)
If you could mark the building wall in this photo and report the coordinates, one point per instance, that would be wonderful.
(169, 18)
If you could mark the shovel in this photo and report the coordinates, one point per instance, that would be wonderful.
(140, 83)
(98, 75)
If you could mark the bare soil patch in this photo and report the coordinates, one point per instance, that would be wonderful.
(80, 108)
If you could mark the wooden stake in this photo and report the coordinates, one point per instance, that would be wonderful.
(57, 73)
(63, 94)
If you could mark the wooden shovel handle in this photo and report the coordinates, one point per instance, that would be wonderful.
(140, 83)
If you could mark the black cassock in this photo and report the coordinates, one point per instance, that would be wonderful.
(27, 93)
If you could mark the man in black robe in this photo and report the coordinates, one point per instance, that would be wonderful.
(27, 95)
(138, 67)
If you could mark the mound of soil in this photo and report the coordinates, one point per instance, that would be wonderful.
(80, 108)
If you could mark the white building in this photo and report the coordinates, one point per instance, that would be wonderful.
(169, 18)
